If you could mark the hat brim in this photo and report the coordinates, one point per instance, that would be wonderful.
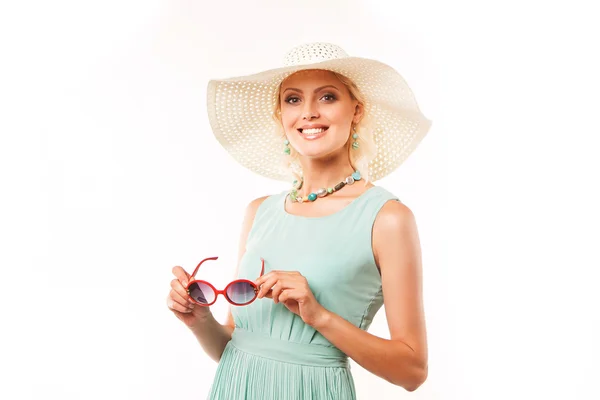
(240, 112)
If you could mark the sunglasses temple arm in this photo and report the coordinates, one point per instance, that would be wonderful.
(198, 267)
(262, 270)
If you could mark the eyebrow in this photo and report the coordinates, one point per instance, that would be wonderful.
(316, 90)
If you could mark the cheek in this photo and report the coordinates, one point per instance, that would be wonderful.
(341, 115)
(288, 120)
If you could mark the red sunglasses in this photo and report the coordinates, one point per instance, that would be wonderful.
(239, 292)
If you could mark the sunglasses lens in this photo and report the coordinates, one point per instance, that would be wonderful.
(202, 293)
(241, 292)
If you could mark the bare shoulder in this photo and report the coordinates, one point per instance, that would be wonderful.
(252, 207)
(395, 228)
(250, 213)
(393, 216)
(258, 201)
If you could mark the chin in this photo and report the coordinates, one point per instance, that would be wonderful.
(324, 146)
(319, 152)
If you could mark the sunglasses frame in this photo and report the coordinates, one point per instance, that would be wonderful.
(224, 291)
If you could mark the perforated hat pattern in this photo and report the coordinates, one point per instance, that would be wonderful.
(241, 110)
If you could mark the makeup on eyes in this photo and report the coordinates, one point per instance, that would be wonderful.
(332, 96)
(315, 91)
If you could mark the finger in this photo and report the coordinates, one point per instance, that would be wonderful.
(260, 280)
(266, 286)
(180, 299)
(175, 306)
(181, 275)
(285, 295)
(263, 287)
(180, 289)
(296, 295)
(277, 289)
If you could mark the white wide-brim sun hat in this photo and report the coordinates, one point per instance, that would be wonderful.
(240, 110)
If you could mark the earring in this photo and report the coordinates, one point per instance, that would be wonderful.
(286, 149)
(355, 137)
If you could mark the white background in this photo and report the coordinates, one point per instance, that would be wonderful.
(110, 176)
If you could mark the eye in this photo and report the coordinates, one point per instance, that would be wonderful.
(292, 99)
(328, 97)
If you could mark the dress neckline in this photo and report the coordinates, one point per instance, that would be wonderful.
(338, 212)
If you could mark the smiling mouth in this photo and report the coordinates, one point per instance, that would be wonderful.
(312, 131)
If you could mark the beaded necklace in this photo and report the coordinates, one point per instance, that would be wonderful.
(294, 197)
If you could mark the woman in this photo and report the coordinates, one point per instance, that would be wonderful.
(334, 248)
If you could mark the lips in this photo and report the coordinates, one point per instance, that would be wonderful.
(312, 131)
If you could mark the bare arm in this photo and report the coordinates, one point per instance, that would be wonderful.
(212, 336)
(402, 360)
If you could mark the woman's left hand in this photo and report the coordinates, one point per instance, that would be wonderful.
(291, 289)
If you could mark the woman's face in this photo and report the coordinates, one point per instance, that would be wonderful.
(317, 112)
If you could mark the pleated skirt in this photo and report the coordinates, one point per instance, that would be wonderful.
(257, 367)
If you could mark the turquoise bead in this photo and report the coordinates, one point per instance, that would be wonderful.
(355, 136)
(356, 175)
(312, 197)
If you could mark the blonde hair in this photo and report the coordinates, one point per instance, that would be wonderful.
(359, 158)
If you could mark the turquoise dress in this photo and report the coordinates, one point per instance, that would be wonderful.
(273, 354)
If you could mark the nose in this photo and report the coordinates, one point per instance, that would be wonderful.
(310, 111)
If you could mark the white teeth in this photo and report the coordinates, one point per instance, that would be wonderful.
(312, 131)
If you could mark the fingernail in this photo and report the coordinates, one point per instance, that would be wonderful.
(191, 305)
(184, 283)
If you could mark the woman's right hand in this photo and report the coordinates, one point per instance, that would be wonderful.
(180, 303)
